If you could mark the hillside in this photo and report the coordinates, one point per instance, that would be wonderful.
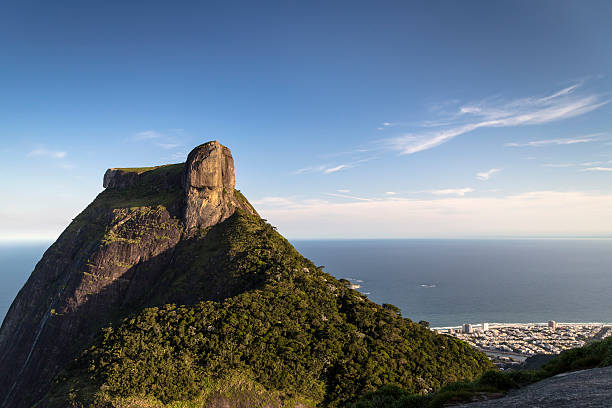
(170, 290)
(576, 377)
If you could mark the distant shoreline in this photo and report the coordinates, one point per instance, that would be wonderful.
(493, 325)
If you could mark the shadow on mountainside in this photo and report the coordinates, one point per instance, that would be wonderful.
(193, 270)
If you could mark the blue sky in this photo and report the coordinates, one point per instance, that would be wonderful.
(346, 119)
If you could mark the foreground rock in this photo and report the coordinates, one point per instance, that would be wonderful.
(587, 389)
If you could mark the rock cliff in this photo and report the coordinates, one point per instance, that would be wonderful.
(97, 323)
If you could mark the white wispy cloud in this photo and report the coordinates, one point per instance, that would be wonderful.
(148, 134)
(167, 140)
(563, 104)
(486, 175)
(334, 169)
(453, 191)
(168, 146)
(597, 169)
(548, 142)
(344, 191)
(351, 197)
(312, 169)
(391, 193)
(47, 153)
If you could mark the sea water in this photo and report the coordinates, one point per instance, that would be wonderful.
(445, 282)
(17, 262)
(451, 282)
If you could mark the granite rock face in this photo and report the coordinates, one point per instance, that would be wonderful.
(209, 183)
(586, 389)
(112, 259)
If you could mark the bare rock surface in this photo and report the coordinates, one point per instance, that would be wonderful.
(209, 183)
(587, 389)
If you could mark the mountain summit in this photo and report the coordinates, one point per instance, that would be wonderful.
(169, 289)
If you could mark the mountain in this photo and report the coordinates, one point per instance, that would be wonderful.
(170, 290)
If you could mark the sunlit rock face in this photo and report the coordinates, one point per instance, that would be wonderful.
(209, 183)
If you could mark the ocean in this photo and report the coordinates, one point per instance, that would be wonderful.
(451, 282)
(445, 282)
(17, 261)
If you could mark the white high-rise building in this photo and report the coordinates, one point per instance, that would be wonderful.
(485, 327)
(467, 328)
(552, 325)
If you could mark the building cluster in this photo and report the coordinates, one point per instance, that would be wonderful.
(529, 339)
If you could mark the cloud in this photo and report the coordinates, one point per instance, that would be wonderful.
(42, 152)
(328, 169)
(334, 169)
(168, 146)
(563, 104)
(535, 213)
(349, 197)
(391, 193)
(486, 175)
(313, 169)
(167, 140)
(453, 191)
(548, 142)
(148, 134)
(344, 191)
(598, 169)
(274, 201)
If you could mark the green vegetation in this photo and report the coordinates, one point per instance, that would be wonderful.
(144, 204)
(597, 354)
(242, 200)
(275, 329)
(158, 186)
(140, 170)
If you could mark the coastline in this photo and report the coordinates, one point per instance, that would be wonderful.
(493, 325)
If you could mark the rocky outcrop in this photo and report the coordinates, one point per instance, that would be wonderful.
(112, 259)
(167, 176)
(587, 389)
(209, 184)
